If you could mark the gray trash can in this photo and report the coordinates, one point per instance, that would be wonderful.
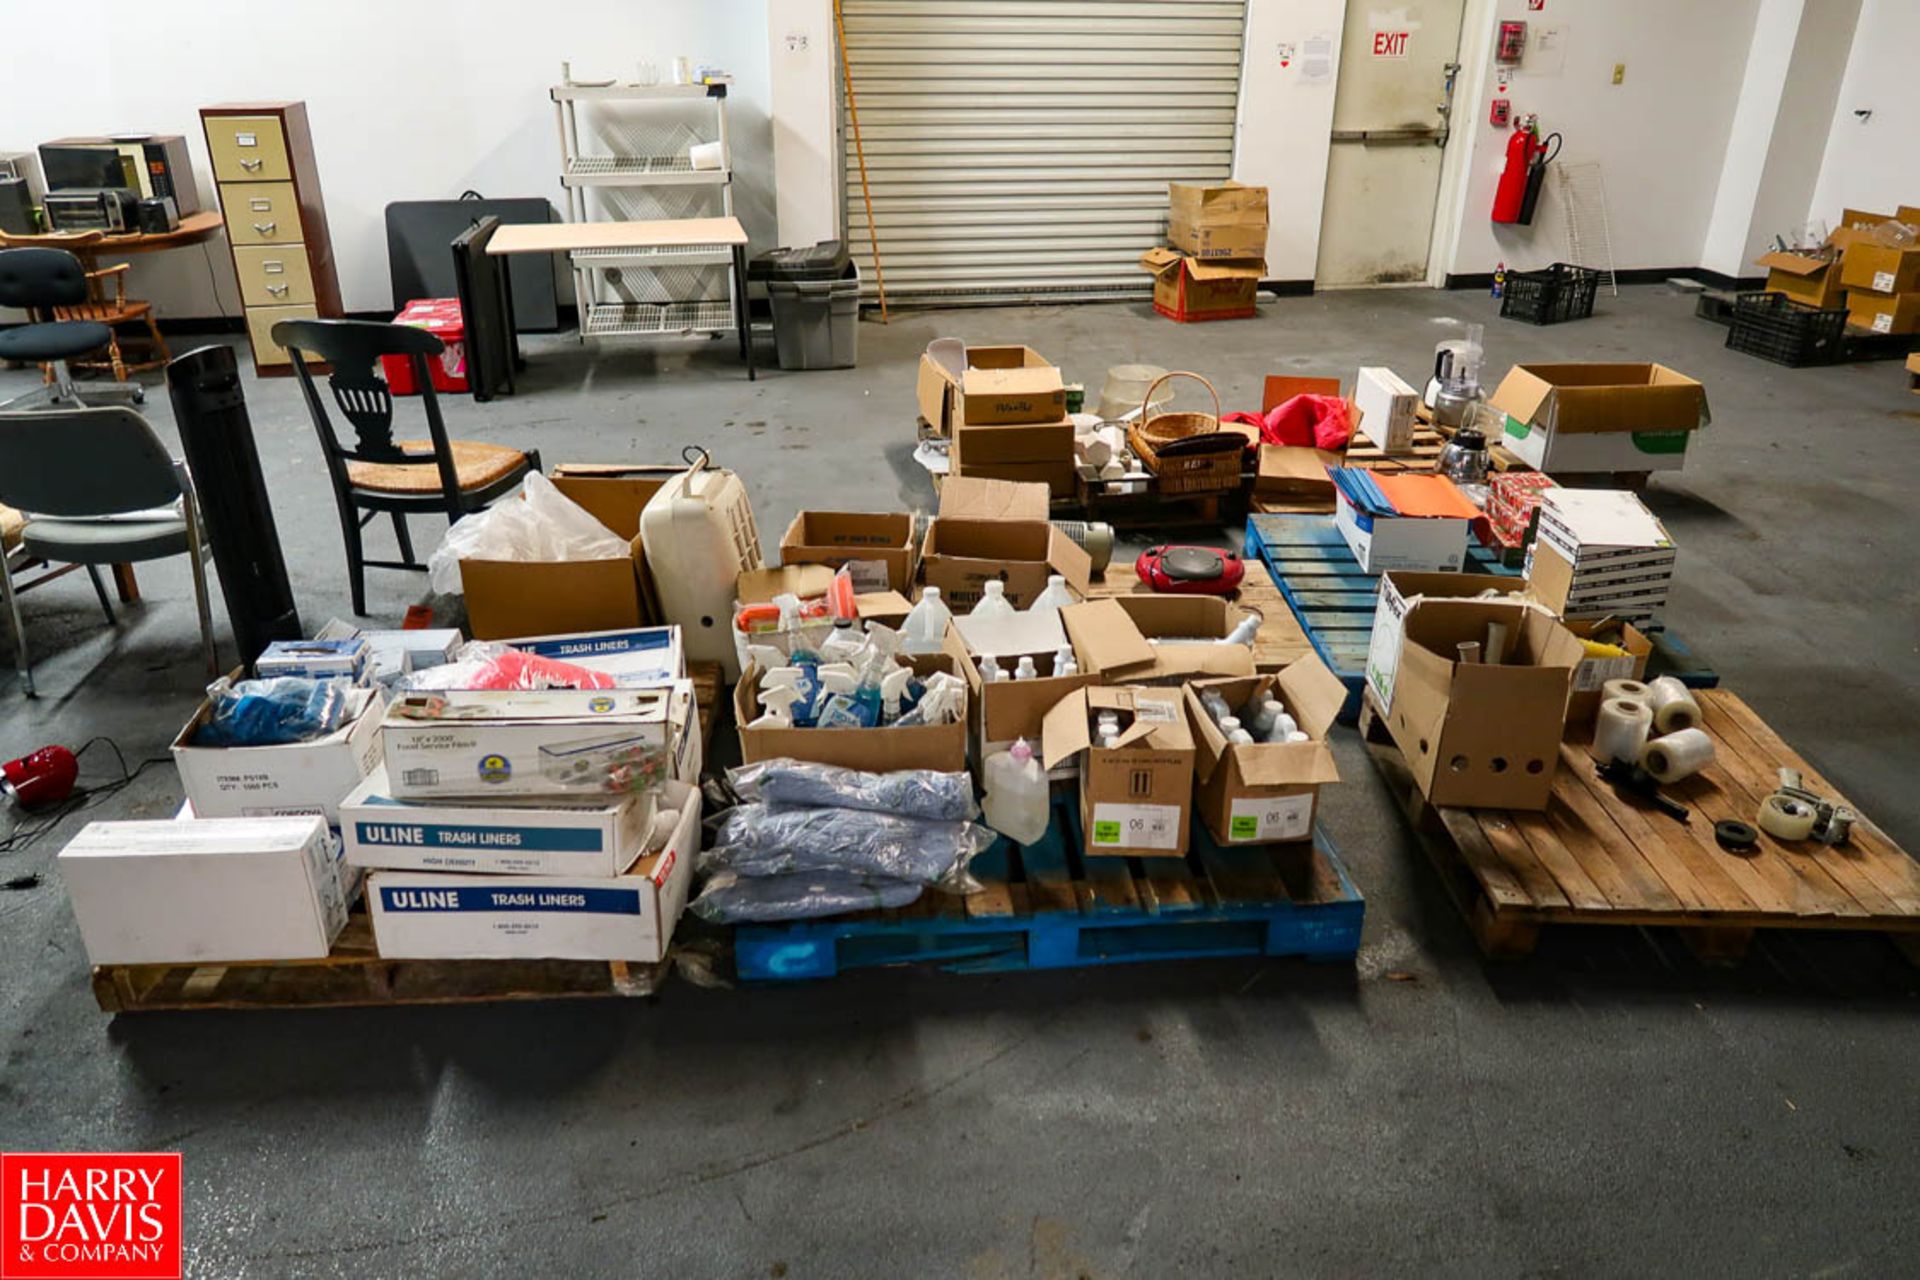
(815, 295)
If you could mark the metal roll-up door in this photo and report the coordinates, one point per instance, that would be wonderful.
(1022, 150)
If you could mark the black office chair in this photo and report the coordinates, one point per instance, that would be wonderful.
(378, 473)
(37, 280)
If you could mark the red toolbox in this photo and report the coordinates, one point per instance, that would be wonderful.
(440, 317)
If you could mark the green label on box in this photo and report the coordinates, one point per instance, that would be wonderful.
(1106, 833)
(1518, 429)
(1243, 827)
(1661, 441)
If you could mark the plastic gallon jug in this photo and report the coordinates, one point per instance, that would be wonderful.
(925, 630)
(993, 601)
(1016, 804)
(699, 537)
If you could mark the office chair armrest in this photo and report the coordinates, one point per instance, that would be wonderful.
(119, 273)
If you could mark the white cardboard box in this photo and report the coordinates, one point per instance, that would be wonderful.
(1386, 405)
(295, 778)
(343, 658)
(635, 656)
(425, 915)
(590, 837)
(1413, 544)
(487, 743)
(205, 890)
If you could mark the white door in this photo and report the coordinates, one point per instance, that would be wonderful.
(1390, 126)
(1021, 149)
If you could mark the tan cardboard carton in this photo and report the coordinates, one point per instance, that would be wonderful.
(1481, 734)
(1583, 704)
(878, 544)
(1884, 312)
(1600, 417)
(1879, 269)
(997, 384)
(1186, 288)
(1217, 220)
(1010, 709)
(880, 749)
(1266, 792)
(1804, 277)
(1136, 797)
(997, 529)
(1113, 638)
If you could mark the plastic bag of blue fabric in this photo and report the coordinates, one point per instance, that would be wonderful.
(729, 898)
(910, 793)
(270, 713)
(767, 840)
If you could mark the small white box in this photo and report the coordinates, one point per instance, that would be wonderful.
(1387, 406)
(293, 778)
(342, 658)
(589, 837)
(637, 656)
(425, 915)
(427, 647)
(1382, 544)
(552, 742)
(205, 890)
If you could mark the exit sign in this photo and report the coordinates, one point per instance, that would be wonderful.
(1390, 44)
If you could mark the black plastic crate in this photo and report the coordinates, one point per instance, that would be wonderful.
(1775, 327)
(1561, 292)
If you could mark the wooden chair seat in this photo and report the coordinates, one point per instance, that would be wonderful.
(110, 312)
(11, 523)
(476, 465)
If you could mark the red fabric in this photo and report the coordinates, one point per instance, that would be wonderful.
(1318, 422)
(517, 670)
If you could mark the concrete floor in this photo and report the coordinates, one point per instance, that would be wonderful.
(1606, 1107)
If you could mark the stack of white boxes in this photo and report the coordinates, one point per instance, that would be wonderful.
(1600, 553)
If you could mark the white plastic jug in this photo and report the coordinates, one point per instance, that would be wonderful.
(1056, 596)
(993, 601)
(926, 626)
(1016, 802)
(698, 534)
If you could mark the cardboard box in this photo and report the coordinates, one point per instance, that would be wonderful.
(425, 915)
(1187, 289)
(205, 890)
(1060, 478)
(1913, 371)
(344, 658)
(1293, 473)
(1600, 417)
(1266, 792)
(1593, 673)
(1804, 277)
(997, 529)
(1114, 638)
(1217, 220)
(1136, 797)
(878, 547)
(998, 384)
(553, 742)
(1867, 265)
(935, 746)
(1414, 543)
(1884, 312)
(1473, 734)
(293, 778)
(1600, 553)
(1006, 710)
(511, 598)
(1387, 404)
(641, 655)
(592, 836)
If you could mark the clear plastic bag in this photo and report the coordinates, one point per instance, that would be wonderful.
(735, 899)
(267, 713)
(765, 840)
(544, 524)
(910, 793)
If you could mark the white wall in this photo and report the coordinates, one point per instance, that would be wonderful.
(408, 100)
(1285, 119)
(803, 65)
(1874, 165)
(1660, 136)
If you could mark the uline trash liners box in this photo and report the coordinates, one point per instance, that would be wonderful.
(815, 294)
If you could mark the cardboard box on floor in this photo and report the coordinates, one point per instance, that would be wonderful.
(1187, 289)
(936, 746)
(1884, 312)
(1136, 797)
(1111, 638)
(1266, 792)
(1217, 219)
(879, 546)
(276, 781)
(998, 384)
(1476, 735)
(511, 598)
(1600, 417)
(997, 529)
(1805, 278)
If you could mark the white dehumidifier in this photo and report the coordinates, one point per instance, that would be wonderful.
(699, 536)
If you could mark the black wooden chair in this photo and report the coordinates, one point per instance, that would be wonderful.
(377, 473)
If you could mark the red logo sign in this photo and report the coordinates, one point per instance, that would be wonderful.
(92, 1215)
(1391, 44)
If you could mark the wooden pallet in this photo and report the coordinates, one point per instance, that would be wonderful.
(1594, 858)
(1333, 600)
(354, 975)
(1280, 640)
(1044, 906)
(1154, 510)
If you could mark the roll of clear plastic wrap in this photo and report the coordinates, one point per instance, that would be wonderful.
(1621, 730)
(1631, 690)
(1674, 756)
(1673, 706)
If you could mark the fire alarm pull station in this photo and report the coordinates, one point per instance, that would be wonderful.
(1513, 42)
(1502, 112)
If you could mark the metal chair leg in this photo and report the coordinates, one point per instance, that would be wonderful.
(196, 555)
(12, 602)
(100, 589)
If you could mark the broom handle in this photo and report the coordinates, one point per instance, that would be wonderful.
(860, 152)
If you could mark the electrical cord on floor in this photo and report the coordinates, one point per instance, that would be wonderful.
(38, 822)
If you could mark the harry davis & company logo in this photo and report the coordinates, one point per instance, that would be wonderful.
(90, 1215)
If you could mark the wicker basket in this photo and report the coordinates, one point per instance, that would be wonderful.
(1187, 452)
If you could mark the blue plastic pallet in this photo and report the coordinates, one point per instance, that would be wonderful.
(1333, 598)
(1044, 906)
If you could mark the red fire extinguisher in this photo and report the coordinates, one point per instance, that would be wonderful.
(1527, 159)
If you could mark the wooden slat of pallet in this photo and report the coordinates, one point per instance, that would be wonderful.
(1106, 885)
(1240, 875)
(1500, 882)
(1586, 828)
(991, 869)
(707, 686)
(1535, 881)
(1167, 886)
(1049, 885)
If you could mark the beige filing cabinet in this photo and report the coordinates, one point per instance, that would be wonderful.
(263, 163)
